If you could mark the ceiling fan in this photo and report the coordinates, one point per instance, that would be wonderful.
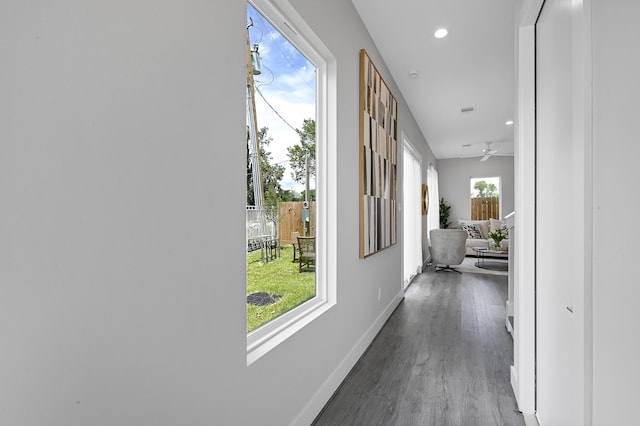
(488, 152)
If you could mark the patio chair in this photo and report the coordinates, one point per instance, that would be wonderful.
(294, 242)
(307, 253)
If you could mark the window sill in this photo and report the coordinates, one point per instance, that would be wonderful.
(264, 339)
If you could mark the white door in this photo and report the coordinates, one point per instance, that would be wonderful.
(560, 217)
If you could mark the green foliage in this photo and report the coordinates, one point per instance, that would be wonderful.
(299, 152)
(278, 277)
(291, 195)
(445, 211)
(485, 190)
(271, 173)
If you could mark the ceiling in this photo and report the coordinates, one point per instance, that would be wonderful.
(472, 67)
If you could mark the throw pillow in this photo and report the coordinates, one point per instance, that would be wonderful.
(473, 231)
(483, 225)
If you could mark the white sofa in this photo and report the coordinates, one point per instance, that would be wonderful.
(483, 227)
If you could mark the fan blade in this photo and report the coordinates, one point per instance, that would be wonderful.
(485, 158)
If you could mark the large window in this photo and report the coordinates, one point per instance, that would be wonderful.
(485, 198)
(412, 212)
(290, 146)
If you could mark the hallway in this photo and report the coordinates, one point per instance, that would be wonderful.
(442, 359)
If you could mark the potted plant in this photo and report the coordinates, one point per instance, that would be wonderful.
(497, 236)
(445, 211)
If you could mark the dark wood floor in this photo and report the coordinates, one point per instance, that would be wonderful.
(442, 359)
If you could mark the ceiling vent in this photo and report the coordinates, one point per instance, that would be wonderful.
(468, 109)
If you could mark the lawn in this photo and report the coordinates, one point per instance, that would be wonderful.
(279, 277)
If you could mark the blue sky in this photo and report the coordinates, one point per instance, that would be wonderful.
(288, 83)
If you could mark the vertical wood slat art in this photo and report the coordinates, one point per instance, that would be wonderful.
(378, 160)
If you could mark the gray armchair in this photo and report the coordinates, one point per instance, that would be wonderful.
(447, 248)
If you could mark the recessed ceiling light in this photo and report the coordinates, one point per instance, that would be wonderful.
(509, 123)
(441, 33)
(414, 73)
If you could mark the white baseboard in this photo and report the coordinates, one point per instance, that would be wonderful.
(311, 410)
(529, 417)
(509, 310)
(530, 420)
(514, 382)
(426, 264)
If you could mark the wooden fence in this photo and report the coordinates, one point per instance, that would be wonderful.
(291, 220)
(485, 208)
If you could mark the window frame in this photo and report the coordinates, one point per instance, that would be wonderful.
(288, 22)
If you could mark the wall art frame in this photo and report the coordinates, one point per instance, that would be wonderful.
(425, 199)
(378, 161)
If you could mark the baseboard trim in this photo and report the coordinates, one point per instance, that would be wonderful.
(426, 264)
(310, 411)
(509, 310)
(514, 383)
(530, 420)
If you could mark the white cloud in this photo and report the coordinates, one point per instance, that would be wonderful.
(283, 136)
(288, 84)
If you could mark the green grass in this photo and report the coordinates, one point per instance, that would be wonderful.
(278, 277)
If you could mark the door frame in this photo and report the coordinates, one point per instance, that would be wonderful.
(523, 372)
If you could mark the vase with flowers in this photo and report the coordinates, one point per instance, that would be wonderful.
(497, 236)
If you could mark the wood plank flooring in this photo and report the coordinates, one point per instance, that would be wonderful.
(442, 359)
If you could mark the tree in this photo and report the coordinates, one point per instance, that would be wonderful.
(271, 173)
(291, 195)
(485, 190)
(299, 152)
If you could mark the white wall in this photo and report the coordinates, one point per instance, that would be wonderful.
(607, 283)
(122, 267)
(454, 176)
(616, 349)
(560, 187)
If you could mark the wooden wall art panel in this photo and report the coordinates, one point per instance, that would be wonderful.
(378, 160)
